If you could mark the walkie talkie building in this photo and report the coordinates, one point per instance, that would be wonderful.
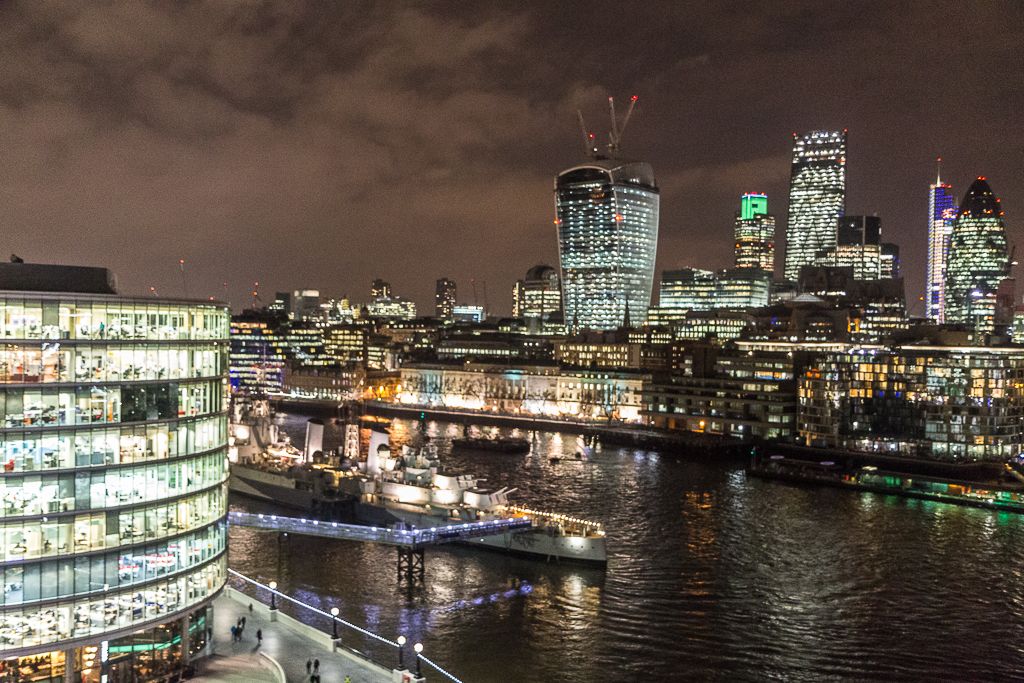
(607, 241)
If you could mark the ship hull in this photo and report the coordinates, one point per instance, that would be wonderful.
(537, 543)
(274, 488)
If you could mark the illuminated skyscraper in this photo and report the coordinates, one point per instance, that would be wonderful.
(444, 299)
(755, 233)
(941, 218)
(978, 262)
(607, 239)
(817, 196)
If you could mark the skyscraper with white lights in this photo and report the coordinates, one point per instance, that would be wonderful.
(754, 233)
(607, 239)
(817, 197)
(978, 260)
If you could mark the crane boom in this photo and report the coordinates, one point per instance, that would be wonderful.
(615, 124)
(588, 147)
(629, 113)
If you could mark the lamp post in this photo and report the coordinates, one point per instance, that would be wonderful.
(401, 650)
(273, 594)
(418, 647)
(334, 622)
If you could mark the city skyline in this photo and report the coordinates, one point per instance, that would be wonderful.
(101, 147)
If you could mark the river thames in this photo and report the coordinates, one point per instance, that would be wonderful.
(711, 575)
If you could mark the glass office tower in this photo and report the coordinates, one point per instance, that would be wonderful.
(941, 218)
(754, 233)
(817, 197)
(607, 240)
(978, 259)
(114, 447)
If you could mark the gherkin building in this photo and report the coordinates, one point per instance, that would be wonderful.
(978, 259)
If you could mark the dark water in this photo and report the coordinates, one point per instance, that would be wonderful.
(711, 575)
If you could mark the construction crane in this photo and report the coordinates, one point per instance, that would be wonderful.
(615, 135)
(590, 146)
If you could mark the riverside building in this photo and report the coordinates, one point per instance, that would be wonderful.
(939, 402)
(114, 445)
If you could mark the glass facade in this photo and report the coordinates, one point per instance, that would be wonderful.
(607, 241)
(754, 233)
(978, 260)
(692, 289)
(114, 449)
(817, 197)
(946, 403)
(941, 218)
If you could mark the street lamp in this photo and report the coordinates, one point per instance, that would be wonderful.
(334, 622)
(419, 648)
(273, 594)
(401, 650)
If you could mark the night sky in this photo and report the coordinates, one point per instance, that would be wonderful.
(321, 145)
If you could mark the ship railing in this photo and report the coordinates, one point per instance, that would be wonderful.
(376, 648)
(569, 521)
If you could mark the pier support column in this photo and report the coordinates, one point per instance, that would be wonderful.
(410, 565)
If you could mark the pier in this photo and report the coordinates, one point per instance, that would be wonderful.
(410, 542)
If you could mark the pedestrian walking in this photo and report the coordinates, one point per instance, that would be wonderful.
(316, 666)
(309, 666)
(243, 623)
(259, 637)
(234, 633)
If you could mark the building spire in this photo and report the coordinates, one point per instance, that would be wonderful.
(938, 170)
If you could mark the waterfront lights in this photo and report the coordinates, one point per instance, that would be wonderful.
(334, 622)
(418, 647)
(273, 595)
(401, 651)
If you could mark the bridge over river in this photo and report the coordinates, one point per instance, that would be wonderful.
(409, 541)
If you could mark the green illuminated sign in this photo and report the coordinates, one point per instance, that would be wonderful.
(753, 205)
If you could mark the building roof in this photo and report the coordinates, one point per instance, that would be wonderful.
(980, 201)
(42, 277)
(615, 171)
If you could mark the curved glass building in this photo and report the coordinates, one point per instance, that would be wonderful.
(607, 240)
(978, 259)
(113, 442)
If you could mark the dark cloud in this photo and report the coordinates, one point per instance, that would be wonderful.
(324, 144)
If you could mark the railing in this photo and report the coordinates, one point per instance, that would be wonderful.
(384, 650)
(389, 536)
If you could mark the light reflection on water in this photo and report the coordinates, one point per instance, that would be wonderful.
(711, 575)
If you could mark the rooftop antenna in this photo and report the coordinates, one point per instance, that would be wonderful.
(589, 144)
(615, 135)
(938, 170)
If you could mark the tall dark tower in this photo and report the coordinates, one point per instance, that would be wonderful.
(444, 299)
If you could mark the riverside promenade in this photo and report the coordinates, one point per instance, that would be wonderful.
(287, 646)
